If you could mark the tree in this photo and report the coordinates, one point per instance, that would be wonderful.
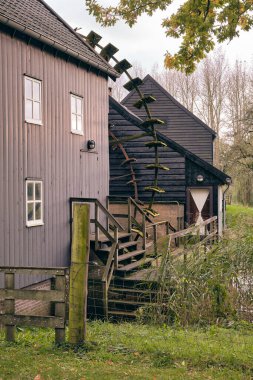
(199, 23)
(213, 89)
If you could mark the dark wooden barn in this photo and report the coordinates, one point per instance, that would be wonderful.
(189, 178)
(181, 125)
(53, 100)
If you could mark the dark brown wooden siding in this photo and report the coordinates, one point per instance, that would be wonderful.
(173, 181)
(180, 125)
(49, 152)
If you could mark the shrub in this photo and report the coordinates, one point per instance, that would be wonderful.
(207, 287)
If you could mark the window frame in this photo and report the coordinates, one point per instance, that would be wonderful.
(32, 120)
(34, 222)
(76, 131)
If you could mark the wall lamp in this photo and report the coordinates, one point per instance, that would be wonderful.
(200, 178)
(91, 144)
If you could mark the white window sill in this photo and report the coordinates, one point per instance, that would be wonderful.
(34, 224)
(77, 133)
(31, 121)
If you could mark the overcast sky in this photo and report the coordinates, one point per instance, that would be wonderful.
(146, 42)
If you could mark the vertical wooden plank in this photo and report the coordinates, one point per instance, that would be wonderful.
(155, 238)
(60, 284)
(79, 273)
(116, 254)
(9, 307)
(96, 227)
(129, 216)
(144, 232)
(167, 227)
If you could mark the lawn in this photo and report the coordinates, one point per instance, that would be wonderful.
(138, 351)
(131, 351)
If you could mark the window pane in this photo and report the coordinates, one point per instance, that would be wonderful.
(38, 211)
(73, 122)
(36, 111)
(36, 91)
(30, 211)
(30, 191)
(79, 106)
(73, 104)
(28, 109)
(79, 123)
(38, 191)
(28, 88)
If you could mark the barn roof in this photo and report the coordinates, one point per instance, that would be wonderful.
(189, 114)
(38, 20)
(135, 120)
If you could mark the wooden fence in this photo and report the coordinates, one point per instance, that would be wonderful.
(56, 295)
(203, 234)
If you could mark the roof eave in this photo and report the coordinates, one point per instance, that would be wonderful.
(186, 153)
(190, 114)
(50, 42)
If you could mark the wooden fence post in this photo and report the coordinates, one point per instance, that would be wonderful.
(9, 306)
(129, 215)
(79, 273)
(144, 232)
(60, 308)
(155, 239)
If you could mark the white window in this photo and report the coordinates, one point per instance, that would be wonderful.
(33, 112)
(76, 114)
(34, 203)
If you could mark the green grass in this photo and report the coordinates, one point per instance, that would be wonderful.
(131, 351)
(236, 214)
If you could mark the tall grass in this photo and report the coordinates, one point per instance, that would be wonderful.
(207, 287)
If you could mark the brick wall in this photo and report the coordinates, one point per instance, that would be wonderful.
(169, 212)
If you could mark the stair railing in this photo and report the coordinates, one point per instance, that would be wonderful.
(133, 210)
(143, 226)
(137, 217)
(168, 228)
(206, 233)
(115, 226)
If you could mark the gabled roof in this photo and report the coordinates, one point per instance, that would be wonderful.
(38, 20)
(172, 99)
(135, 120)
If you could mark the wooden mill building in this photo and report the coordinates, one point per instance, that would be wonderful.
(54, 149)
(189, 154)
(53, 100)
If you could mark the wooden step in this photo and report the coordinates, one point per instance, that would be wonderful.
(128, 255)
(135, 265)
(121, 246)
(104, 239)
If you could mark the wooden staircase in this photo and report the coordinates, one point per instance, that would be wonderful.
(119, 272)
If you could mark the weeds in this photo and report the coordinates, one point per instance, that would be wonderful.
(209, 287)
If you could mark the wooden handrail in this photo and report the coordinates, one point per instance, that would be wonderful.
(160, 223)
(208, 221)
(142, 224)
(112, 260)
(140, 210)
(109, 262)
(109, 215)
(107, 276)
(210, 235)
(105, 232)
(102, 208)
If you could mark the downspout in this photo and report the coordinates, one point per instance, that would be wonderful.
(224, 205)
